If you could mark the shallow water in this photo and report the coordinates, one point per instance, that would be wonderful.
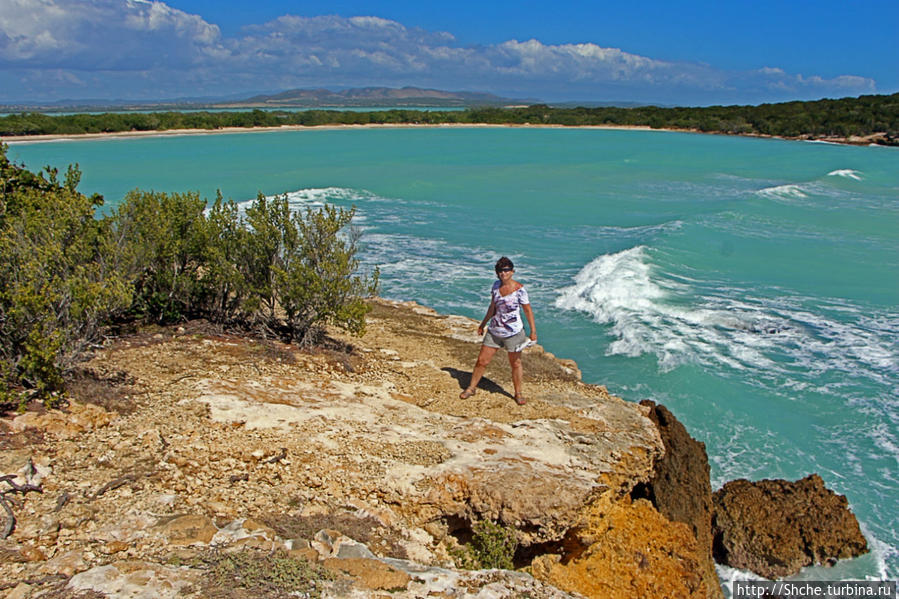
(750, 285)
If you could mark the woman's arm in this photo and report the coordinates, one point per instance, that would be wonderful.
(529, 314)
(490, 312)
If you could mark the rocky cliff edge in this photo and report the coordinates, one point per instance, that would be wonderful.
(186, 445)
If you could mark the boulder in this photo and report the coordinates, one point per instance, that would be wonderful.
(67, 563)
(188, 530)
(369, 573)
(11, 552)
(135, 580)
(680, 489)
(65, 424)
(775, 527)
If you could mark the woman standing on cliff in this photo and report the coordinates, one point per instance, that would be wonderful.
(506, 329)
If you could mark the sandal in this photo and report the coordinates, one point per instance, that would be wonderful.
(467, 393)
(520, 400)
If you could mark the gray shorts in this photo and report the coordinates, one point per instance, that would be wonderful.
(506, 343)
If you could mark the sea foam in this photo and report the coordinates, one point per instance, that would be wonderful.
(789, 191)
(313, 197)
(847, 173)
(652, 313)
(781, 335)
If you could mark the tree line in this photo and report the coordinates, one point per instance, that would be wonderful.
(841, 118)
(67, 275)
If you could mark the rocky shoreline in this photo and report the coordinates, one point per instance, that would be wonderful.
(359, 468)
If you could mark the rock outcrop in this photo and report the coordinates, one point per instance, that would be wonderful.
(357, 469)
(367, 457)
(680, 489)
(629, 550)
(775, 527)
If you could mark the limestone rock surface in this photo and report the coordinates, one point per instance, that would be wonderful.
(360, 452)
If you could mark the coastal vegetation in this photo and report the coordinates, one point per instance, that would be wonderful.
(492, 545)
(260, 574)
(67, 275)
(840, 119)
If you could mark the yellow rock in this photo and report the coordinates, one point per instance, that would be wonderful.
(189, 529)
(369, 573)
(634, 552)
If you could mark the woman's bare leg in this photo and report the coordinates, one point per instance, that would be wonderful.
(517, 371)
(480, 366)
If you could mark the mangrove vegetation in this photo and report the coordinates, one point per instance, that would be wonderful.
(874, 116)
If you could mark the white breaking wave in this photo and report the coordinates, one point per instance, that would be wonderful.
(316, 197)
(847, 173)
(650, 313)
(885, 439)
(789, 191)
(618, 289)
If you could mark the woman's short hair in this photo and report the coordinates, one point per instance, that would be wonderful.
(504, 263)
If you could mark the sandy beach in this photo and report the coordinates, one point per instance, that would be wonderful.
(173, 132)
(875, 139)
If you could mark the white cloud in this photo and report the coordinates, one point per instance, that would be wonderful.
(777, 79)
(592, 63)
(102, 34)
(142, 48)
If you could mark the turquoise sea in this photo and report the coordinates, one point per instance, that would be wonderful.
(750, 285)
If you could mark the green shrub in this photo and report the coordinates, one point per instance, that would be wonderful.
(223, 288)
(271, 237)
(163, 239)
(66, 274)
(492, 546)
(317, 284)
(304, 264)
(261, 575)
(58, 281)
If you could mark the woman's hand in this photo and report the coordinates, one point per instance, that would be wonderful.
(480, 330)
(533, 337)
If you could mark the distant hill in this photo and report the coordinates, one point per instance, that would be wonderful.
(370, 96)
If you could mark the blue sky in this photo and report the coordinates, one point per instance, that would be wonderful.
(688, 53)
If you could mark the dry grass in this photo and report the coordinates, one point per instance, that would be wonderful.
(258, 575)
(365, 529)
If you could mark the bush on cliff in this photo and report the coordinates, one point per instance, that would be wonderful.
(223, 289)
(492, 545)
(258, 574)
(286, 273)
(162, 241)
(317, 284)
(66, 274)
(58, 285)
(299, 265)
